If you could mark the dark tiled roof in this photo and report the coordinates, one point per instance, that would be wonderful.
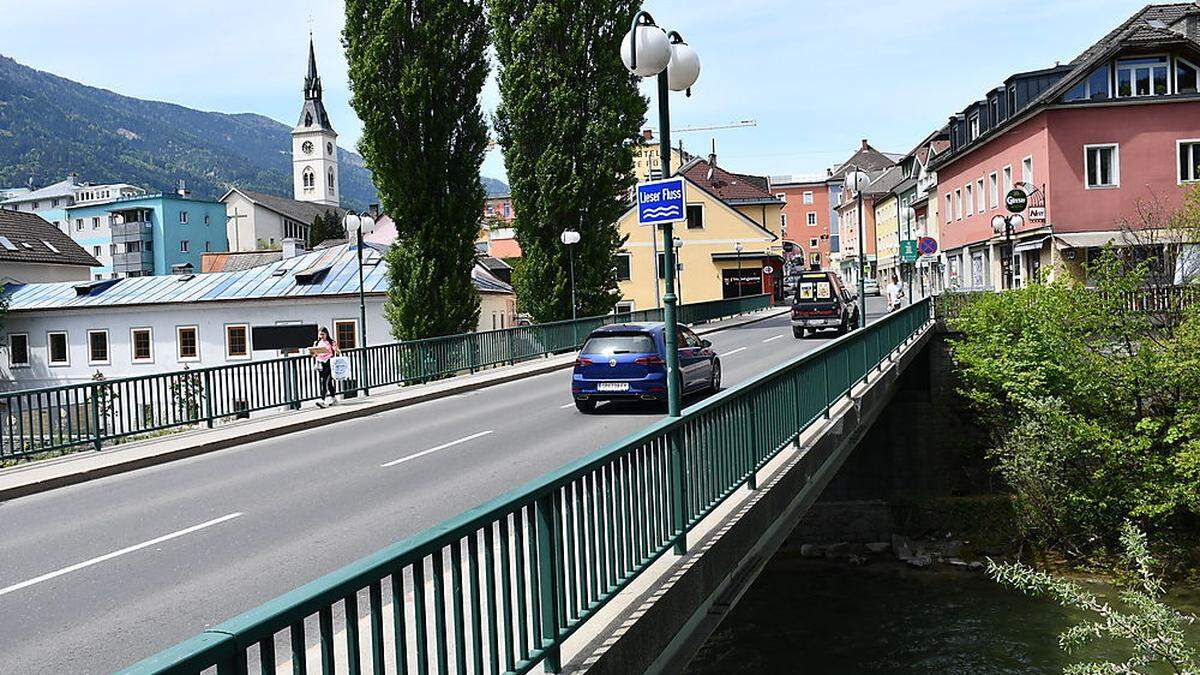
(33, 237)
(885, 182)
(727, 186)
(302, 212)
(866, 158)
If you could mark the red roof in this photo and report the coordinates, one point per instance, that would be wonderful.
(726, 186)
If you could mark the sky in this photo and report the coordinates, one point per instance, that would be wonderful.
(816, 76)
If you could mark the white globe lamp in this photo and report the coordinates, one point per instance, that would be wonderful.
(653, 50)
(684, 68)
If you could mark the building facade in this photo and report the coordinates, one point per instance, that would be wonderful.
(848, 255)
(807, 217)
(32, 250)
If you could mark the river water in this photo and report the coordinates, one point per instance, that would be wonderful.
(817, 617)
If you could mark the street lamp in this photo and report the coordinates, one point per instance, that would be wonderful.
(360, 223)
(1006, 225)
(678, 270)
(647, 51)
(857, 181)
(738, 248)
(569, 239)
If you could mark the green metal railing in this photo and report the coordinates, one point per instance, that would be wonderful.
(500, 587)
(89, 415)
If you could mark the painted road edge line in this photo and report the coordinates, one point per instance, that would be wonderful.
(443, 446)
(772, 339)
(731, 353)
(114, 554)
(569, 405)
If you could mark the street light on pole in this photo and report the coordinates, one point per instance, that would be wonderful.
(647, 51)
(737, 247)
(678, 271)
(569, 238)
(358, 223)
(1006, 225)
(857, 181)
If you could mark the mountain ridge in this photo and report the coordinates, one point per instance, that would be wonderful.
(50, 126)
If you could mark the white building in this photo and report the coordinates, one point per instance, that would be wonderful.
(257, 221)
(61, 333)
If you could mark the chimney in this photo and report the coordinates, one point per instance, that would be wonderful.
(374, 209)
(829, 173)
(648, 134)
(865, 145)
(712, 156)
(73, 178)
(292, 247)
(182, 191)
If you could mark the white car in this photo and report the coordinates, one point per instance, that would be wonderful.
(871, 287)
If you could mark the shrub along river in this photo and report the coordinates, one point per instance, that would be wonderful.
(816, 616)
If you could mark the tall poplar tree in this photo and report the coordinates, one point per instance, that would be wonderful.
(417, 68)
(568, 117)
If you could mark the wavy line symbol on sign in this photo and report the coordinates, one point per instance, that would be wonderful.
(661, 211)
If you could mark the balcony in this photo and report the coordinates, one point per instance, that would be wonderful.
(134, 231)
(142, 261)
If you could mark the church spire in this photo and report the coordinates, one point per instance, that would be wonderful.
(312, 82)
(312, 114)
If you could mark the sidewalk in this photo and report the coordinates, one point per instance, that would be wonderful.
(40, 476)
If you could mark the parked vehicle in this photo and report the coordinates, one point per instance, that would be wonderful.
(627, 362)
(822, 301)
(871, 287)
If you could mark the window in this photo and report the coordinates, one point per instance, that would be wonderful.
(148, 246)
(974, 127)
(112, 249)
(329, 148)
(695, 216)
(980, 202)
(1102, 164)
(329, 180)
(237, 342)
(994, 110)
(183, 245)
(993, 190)
(207, 246)
(624, 307)
(783, 221)
(1008, 181)
(142, 344)
(183, 217)
(133, 247)
(812, 218)
(97, 347)
(18, 349)
(814, 259)
(96, 251)
(96, 222)
(78, 224)
(1094, 88)
(309, 179)
(958, 210)
(808, 197)
(623, 267)
(1186, 76)
(968, 201)
(949, 208)
(1145, 76)
(345, 332)
(813, 242)
(1012, 100)
(206, 219)
(187, 343)
(1027, 170)
(56, 348)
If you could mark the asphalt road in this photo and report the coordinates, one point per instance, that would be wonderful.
(96, 576)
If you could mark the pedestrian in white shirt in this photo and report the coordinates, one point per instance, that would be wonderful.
(894, 294)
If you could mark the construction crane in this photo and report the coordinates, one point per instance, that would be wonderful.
(732, 125)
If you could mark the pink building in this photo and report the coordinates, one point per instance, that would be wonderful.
(1089, 142)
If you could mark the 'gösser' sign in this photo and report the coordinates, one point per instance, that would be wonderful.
(1016, 200)
(660, 201)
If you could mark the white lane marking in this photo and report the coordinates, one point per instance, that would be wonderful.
(772, 339)
(114, 554)
(731, 353)
(569, 405)
(443, 446)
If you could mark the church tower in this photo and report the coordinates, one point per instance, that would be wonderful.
(314, 145)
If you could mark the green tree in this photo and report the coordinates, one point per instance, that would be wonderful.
(568, 117)
(417, 68)
(325, 226)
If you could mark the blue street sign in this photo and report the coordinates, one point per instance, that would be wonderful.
(660, 201)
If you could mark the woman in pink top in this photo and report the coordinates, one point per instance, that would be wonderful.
(325, 349)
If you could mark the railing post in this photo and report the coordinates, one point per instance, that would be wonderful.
(512, 353)
(208, 399)
(363, 376)
(678, 491)
(97, 437)
(753, 481)
(293, 379)
(549, 583)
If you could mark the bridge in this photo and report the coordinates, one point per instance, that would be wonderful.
(533, 577)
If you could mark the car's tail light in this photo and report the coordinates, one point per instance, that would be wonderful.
(655, 360)
(581, 361)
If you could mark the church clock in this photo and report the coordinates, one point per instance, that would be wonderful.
(307, 147)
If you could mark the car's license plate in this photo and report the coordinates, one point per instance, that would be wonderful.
(612, 386)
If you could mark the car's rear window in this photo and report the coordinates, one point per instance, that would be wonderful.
(637, 343)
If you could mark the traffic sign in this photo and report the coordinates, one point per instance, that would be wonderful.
(927, 245)
(1016, 200)
(908, 250)
(660, 201)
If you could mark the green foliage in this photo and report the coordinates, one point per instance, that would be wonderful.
(568, 117)
(417, 68)
(1096, 407)
(325, 226)
(1153, 630)
(50, 126)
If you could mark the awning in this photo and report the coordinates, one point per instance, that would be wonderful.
(1035, 245)
(1118, 238)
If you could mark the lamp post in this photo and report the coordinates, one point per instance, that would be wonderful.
(737, 247)
(678, 271)
(647, 51)
(857, 180)
(569, 238)
(1006, 225)
(358, 222)
(907, 214)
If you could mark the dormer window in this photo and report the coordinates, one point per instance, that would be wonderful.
(974, 128)
(1187, 76)
(308, 119)
(1144, 76)
(1094, 88)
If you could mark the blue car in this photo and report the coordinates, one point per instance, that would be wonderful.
(627, 362)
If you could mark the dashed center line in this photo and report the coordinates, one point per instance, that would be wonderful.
(109, 556)
(772, 339)
(734, 351)
(443, 446)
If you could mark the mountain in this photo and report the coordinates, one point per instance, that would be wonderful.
(50, 126)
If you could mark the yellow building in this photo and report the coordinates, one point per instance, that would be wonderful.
(725, 210)
(887, 240)
(646, 154)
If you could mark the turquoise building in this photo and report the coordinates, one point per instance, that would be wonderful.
(148, 234)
